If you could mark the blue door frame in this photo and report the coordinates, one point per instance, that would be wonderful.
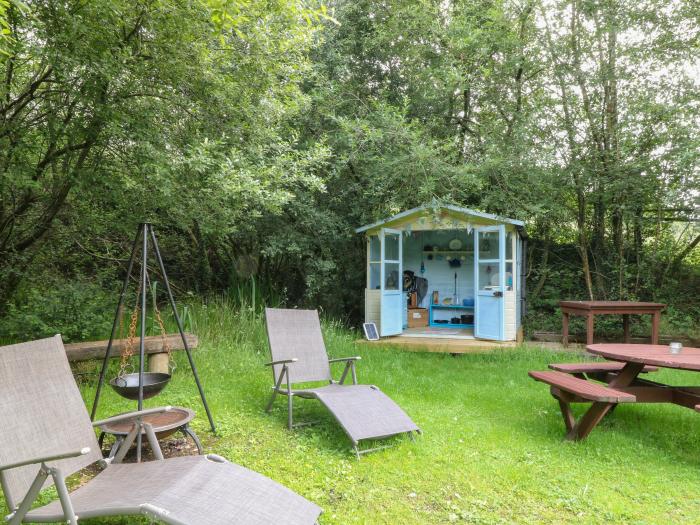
(391, 242)
(490, 301)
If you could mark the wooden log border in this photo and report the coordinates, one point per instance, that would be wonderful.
(152, 344)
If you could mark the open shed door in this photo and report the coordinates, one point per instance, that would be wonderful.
(391, 282)
(489, 278)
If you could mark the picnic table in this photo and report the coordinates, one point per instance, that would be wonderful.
(589, 309)
(617, 382)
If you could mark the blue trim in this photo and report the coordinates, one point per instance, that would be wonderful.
(482, 306)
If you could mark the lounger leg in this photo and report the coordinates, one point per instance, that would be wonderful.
(345, 372)
(63, 496)
(276, 388)
(18, 515)
(268, 408)
(290, 422)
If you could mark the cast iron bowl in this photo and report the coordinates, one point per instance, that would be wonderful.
(128, 386)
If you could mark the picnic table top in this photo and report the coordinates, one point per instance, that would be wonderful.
(612, 305)
(657, 355)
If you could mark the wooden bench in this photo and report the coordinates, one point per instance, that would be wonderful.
(566, 389)
(593, 369)
(582, 388)
(697, 408)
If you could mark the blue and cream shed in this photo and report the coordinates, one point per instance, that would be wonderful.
(445, 271)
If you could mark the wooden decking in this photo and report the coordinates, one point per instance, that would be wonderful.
(441, 344)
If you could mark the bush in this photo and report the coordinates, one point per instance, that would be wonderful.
(77, 309)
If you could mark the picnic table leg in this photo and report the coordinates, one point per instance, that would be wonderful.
(565, 329)
(597, 412)
(589, 328)
(655, 320)
(569, 420)
(588, 421)
(626, 326)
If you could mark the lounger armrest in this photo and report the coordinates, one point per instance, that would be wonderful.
(44, 459)
(131, 415)
(339, 359)
(349, 367)
(282, 362)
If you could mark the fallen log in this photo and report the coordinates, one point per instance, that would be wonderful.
(152, 345)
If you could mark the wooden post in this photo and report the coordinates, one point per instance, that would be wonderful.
(626, 326)
(655, 320)
(159, 363)
(590, 324)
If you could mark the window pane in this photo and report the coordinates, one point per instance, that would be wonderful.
(509, 246)
(391, 246)
(488, 276)
(488, 245)
(374, 276)
(374, 248)
(391, 276)
(510, 278)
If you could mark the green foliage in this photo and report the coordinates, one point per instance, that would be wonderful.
(79, 310)
(258, 135)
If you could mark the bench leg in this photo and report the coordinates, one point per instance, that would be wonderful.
(565, 329)
(589, 421)
(626, 326)
(598, 410)
(569, 420)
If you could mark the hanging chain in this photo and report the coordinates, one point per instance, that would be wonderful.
(131, 338)
(163, 336)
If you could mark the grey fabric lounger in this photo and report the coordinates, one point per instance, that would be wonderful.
(299, 356)
(48, 435)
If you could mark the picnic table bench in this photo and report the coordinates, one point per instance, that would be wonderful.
(617, 382)
(594, 370)
(589, 309)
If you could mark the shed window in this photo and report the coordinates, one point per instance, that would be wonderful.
(374, 263)
(488, 246)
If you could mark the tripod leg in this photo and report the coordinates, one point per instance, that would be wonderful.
(180, 329)
(120, 303)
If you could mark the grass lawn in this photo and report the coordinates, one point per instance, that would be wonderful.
(491, 452)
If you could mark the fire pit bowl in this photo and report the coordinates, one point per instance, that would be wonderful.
(128, 386)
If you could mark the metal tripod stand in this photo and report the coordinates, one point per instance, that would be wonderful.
(145, 233)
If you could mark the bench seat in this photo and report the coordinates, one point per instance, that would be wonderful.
(581, 387)
(594, 368)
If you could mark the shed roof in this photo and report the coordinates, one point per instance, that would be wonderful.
(467, 212)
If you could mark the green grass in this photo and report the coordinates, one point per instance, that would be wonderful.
(492, 449)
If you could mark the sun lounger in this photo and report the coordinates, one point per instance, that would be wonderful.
(47, 435)
(299, 356)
